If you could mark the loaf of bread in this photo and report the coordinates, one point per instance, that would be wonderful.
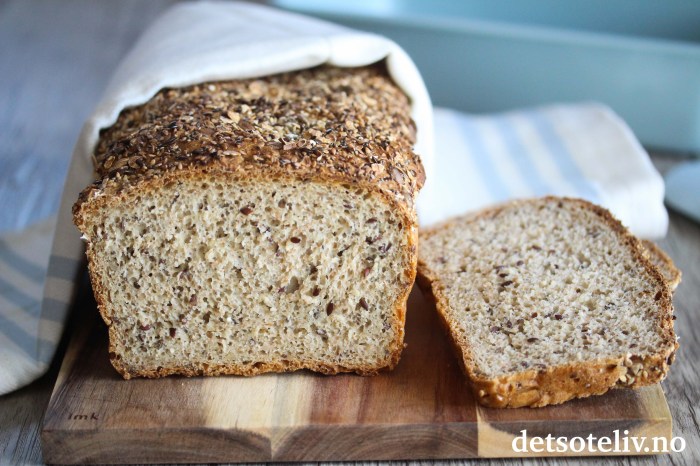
(547, 300)
(258, 225)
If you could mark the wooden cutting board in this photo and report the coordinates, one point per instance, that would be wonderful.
(421, 410)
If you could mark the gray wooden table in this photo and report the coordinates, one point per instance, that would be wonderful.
(55, 59)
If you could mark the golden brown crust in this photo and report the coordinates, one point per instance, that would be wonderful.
(335, 124)
(554, 385)
(664, 263)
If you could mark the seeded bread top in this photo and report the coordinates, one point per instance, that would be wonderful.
(341, 124)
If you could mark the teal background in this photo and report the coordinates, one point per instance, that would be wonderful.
(641, 57)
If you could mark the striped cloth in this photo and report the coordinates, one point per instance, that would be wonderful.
(28, 333)
(574, 150)
(578, 150)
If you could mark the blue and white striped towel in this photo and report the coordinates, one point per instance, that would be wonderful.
(575, 150)
(578, 150)
(28, 333)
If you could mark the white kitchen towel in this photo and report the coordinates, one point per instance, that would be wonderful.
(29, 333)
(580, 150)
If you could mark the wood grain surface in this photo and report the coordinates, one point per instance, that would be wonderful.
(421, 410)
(55, 59)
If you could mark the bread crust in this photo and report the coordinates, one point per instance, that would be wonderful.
(557, 384)
(664, 263)
(132, 162)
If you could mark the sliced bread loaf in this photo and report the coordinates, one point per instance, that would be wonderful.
(548, 300)
(261, 225)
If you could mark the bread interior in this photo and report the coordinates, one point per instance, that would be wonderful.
(208, 272)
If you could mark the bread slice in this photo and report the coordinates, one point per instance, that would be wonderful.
(547, 300)
(262, 225)
(663, 263)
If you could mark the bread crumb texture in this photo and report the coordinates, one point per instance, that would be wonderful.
(252, 226)
(547, 300)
